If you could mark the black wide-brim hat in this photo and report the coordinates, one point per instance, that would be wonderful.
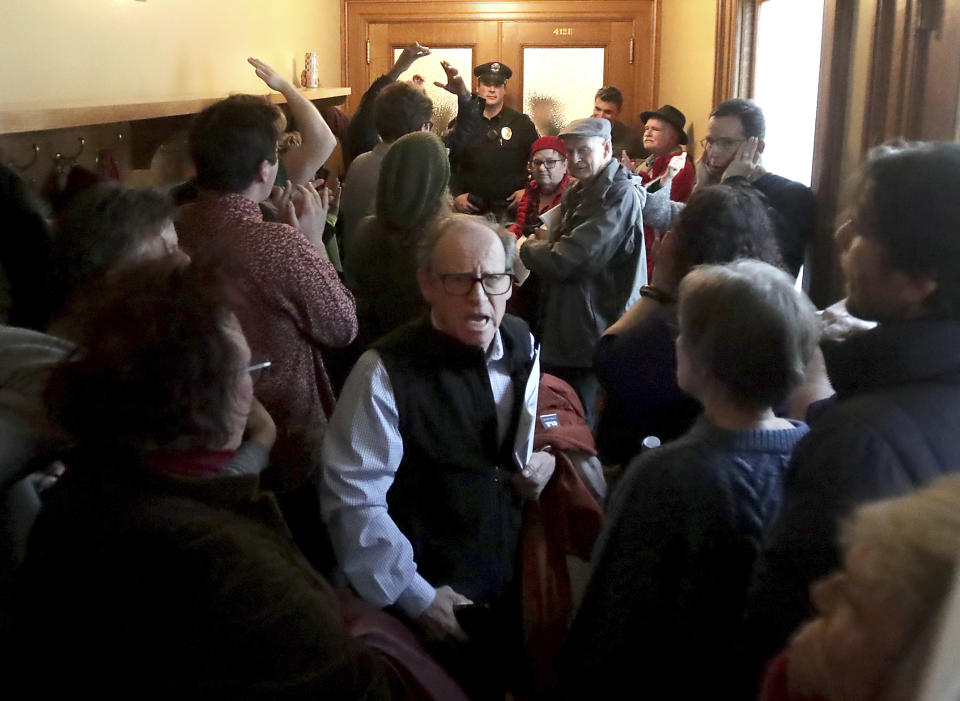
(672, 116)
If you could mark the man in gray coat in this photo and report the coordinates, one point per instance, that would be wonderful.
(593, 263)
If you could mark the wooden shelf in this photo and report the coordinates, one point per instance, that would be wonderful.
(24, 117)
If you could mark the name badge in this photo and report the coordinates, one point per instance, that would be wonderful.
(549, 420)
(506, 133)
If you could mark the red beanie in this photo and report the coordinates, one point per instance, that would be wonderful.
(549, 142)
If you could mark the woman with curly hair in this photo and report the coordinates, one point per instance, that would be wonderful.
(635, 360)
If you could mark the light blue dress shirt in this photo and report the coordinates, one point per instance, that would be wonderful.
(362, 450)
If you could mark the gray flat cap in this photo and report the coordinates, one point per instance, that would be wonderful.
(583, 128)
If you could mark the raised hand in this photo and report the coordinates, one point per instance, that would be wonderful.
(455, 82)
(411, 54)
(268, 75)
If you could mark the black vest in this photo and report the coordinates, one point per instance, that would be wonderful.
(451, 496)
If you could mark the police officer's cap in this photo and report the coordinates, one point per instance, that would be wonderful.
(493, 73)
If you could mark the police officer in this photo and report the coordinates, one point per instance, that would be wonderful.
(489, 143)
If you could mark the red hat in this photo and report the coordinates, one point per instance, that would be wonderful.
(549, 142)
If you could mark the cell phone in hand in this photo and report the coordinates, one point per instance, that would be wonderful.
(475, 619)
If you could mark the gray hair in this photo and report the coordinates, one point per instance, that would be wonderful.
(749, 327)
(441, 225)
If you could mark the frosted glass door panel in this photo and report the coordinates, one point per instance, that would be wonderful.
(559, 85)
(444, 104)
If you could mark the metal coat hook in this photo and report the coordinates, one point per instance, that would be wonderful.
(33, 159)
(60, 157)
(64, 163)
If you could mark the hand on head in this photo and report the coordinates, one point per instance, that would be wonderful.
(746, 163)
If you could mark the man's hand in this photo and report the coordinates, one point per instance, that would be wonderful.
(438, 620)
(268, 75)
(746, 162)
(305, 208)
(463, 204)
(666, 277)
(674, 166)
(48, 476)
(514, 199)
(455, 82)
(335, 189)
(705, 174)
(627, 162)
(534, 477)
(838, 324)
(260, 426)
(409, 55)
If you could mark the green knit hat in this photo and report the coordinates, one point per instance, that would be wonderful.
(413, 178)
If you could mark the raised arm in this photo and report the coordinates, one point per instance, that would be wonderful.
(318, 141)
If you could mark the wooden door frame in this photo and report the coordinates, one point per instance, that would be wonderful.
(357, 15)
(879, 70)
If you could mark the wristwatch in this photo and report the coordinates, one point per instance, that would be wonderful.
(656, 294)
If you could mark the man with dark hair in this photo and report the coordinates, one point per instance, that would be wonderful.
(292, 302)
(104, 227)
(607, 104)
(489, 142)
(894, 423)
(425, 464)
(732, 148)
(362, 133)
(400, 108)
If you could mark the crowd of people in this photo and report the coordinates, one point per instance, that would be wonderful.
(264, 438)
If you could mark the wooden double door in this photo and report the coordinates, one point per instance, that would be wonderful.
(618, 39)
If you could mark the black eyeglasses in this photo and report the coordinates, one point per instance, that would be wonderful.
(462, 283)
(720, 144)
(549, 164)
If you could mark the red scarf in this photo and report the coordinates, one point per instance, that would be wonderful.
(195, 463)
(533, 190)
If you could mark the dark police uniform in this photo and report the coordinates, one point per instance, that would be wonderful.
(488, 157)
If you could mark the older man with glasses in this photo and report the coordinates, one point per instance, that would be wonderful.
(732, 148)
(592, 264)
(425, 466)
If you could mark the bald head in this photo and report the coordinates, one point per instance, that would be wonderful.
(462, 277)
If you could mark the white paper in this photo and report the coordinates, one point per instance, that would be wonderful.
(527, 424)
(551, 218)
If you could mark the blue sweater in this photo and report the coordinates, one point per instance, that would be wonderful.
(672, 565)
